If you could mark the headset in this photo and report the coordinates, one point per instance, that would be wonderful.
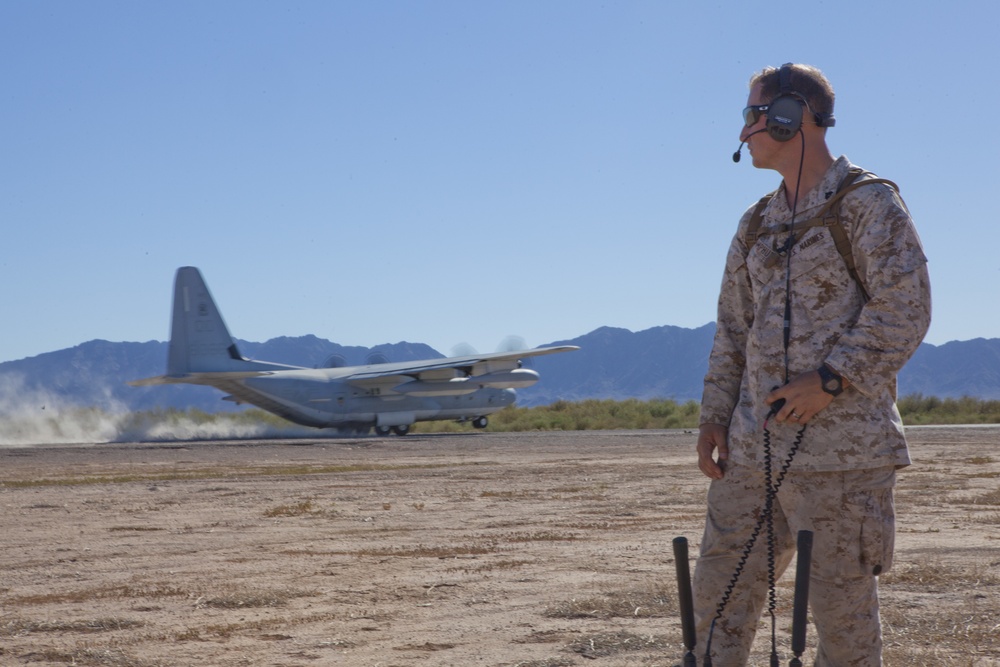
(784, 113)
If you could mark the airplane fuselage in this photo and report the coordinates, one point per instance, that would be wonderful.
(310, 399)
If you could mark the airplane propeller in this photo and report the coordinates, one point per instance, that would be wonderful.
(512, 343)
(334, 361)
(374, 358)
(463, 350)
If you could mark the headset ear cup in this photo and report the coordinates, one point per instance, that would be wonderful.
(784, 118)
(825, 119)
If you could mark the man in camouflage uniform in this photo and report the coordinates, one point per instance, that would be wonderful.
(837, 373)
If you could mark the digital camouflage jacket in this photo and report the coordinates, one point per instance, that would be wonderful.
(866, 342)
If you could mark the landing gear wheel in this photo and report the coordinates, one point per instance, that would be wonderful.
(402, 429)
(480, 422)
(383, 430)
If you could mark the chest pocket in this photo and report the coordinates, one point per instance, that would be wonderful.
(815, 261)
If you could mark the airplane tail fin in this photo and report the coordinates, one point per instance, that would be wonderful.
(199, 339)
(201, 351)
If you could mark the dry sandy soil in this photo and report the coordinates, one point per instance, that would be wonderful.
(534, 549)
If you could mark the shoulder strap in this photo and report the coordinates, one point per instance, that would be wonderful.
(828, 216)
(756, 218)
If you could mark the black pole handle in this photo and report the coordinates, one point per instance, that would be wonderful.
(685, 598)
(801, 604)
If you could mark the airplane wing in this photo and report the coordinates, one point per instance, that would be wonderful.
(467, 365)
(208, 378)
(428, 377)
(450, 376)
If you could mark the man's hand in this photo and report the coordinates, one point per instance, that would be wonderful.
(804, 398)
(712, 437)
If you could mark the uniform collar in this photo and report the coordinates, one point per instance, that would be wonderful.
(780, 207)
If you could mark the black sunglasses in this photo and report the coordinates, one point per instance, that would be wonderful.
(752, 113)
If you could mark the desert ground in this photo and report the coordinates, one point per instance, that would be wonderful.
(502, 550)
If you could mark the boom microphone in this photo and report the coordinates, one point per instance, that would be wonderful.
(736, 155)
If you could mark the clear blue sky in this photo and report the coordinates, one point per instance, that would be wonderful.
(454, 172)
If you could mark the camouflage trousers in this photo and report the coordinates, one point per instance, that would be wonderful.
(853, 522)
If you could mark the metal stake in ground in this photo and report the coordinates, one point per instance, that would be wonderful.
(685, 599)
(801, 604)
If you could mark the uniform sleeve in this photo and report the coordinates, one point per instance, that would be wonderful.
(727, 361)
(893, 322)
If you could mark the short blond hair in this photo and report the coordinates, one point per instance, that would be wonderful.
(806, 80)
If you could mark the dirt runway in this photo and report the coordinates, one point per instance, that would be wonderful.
(530, 550)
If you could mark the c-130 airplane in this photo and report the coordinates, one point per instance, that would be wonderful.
(390, 397)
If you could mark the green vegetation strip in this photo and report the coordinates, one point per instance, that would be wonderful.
(589, 415)
(228, 473)
(920, 410)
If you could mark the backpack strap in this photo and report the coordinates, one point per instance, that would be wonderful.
(756, 218)
(828, 216)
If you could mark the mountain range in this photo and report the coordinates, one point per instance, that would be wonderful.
(612, 363)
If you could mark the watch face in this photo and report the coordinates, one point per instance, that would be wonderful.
(831, 382)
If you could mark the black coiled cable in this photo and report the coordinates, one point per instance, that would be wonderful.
(766, 518)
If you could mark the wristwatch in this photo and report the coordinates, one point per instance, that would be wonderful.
(833, 384)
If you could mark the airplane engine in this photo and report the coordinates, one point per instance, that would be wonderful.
(453, 387)
(518, 378)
